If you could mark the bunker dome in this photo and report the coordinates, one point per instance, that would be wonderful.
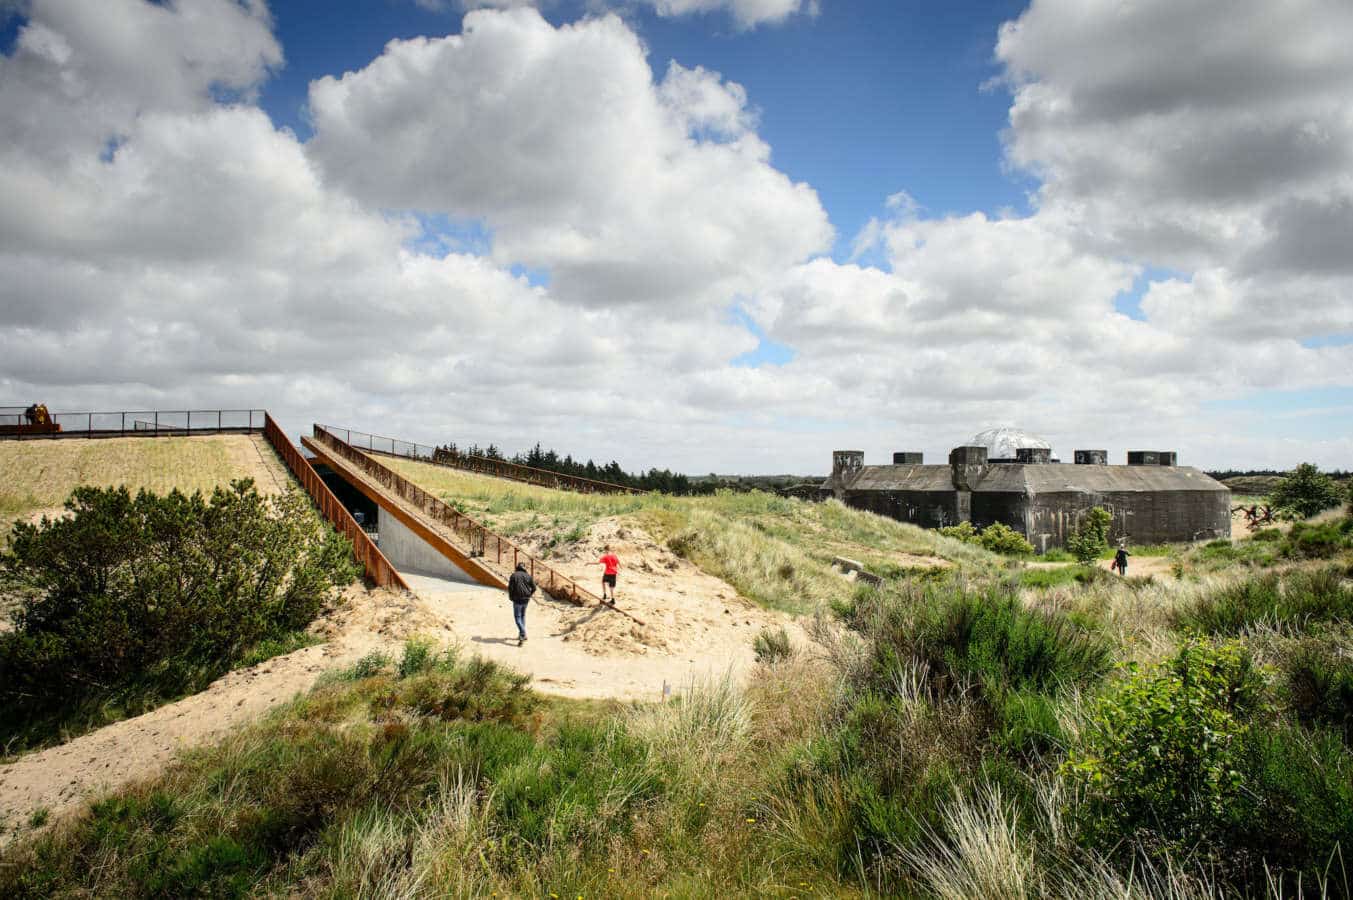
(1004, 442)
(1151, 499)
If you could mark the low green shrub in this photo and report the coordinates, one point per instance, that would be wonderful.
(1319, 683)
(772, 645)
(963, 531)
(968, 633)
(1161, 761)
(419, 656)
(133, 600)
(989, 637)
(1299, 599)
(996, 537)
(1295, 815)
(1322, 541)
(999, 538)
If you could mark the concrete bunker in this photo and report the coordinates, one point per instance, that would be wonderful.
(1008, 476)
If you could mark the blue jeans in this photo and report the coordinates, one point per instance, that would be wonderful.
(519, 616)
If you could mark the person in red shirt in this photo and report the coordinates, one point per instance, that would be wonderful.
(611, 569)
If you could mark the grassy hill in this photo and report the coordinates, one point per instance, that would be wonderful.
(774, 550)
(38, 476)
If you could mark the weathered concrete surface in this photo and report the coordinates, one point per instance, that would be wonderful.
(1044, 501)
(408, 552)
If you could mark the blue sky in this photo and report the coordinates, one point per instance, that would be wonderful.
(886, 225)
(864, 99)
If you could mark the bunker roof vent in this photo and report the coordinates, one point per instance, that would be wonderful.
(1033, 456)
(1152, 458)
(907, 458)
(1092, 457)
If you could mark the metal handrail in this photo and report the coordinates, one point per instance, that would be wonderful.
(481, 464)
(373, 562)
(122, 423)
(466, 529)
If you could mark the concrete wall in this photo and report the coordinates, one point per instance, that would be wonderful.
(408, 552)
(1139, 517)
(1046, 520)
(929, 509)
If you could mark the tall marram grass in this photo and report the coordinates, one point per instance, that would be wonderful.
(1297, 600)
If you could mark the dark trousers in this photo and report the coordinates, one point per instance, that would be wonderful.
(519, 616)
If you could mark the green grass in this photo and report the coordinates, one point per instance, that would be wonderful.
(1299, 599)
(38, 476)
(1058, 576)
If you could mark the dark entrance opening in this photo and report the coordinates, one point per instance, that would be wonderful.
(349, 496)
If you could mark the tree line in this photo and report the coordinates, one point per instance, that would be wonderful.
(664, 480)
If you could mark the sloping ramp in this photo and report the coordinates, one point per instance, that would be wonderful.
(479, 552)
(460, 550)
(374, 563)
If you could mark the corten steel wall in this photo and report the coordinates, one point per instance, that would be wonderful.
(377, 567)
(388, 446)
(488, 544)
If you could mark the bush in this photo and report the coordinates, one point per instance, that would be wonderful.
(1162, 758)
(1000, 538)
(996, 537)
(1305, 491)
(772, 645)
(1307, 541)
(989, 638)
(1300, 599)
(1296, 813)
(963, 531)
(1091, 537)
(151, 597)
(1320, 687)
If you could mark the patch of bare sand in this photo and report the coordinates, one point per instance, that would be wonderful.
(691, 625)
(60, 778)
(682, 609)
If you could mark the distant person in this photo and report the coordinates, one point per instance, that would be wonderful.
(359, 517)
(31, 414)
(1120, 561)
(520, 587)
(611, 568)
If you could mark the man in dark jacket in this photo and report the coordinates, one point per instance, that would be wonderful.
(520, 587)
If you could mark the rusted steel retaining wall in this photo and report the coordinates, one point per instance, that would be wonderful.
(482, 542)
(377, 567)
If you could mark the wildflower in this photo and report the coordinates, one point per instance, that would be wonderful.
(751, 821)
